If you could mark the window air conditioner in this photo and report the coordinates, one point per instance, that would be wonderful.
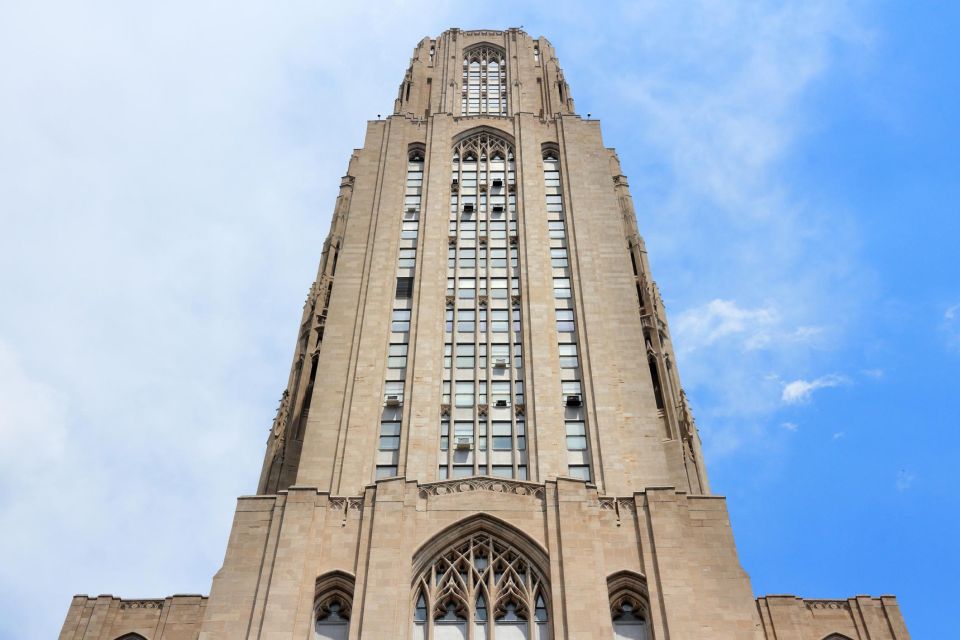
(483, 186)
(411, 209)
(500, 363)
(468, 208)
(498, 208)
(497, 182)
(463, 443)
(393, 401)
(573, 401)
(502, 403)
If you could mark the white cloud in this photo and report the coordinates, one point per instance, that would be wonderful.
(876, 374)
(790, 426)
(800, 391)
(703, 326)
(169, 170)
(905, 480)
(747, 262)
(951, 326)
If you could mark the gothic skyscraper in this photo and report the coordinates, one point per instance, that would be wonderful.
(483, 434)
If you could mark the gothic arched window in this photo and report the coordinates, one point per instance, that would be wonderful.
(487, 433)
(333, 600)
(484, 81)
(480, 588)
(628, 606)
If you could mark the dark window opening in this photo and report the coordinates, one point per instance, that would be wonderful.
(404, 288)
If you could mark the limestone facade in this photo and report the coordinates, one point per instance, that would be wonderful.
(483, 434)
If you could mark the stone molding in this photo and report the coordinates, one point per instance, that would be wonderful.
(345, 503)
(483, 483)
(141, 604)
(827, 604)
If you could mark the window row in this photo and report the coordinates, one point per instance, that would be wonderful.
(468, 393)
(466, 288)
(480, 586)
(500, 321)
(469, 355)
(482, 257)
(493, 230)
(501, 436)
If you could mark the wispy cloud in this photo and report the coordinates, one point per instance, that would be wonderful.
(905, 480)
(731, 240)
(168, 173)
(951, 326)
(799, 391)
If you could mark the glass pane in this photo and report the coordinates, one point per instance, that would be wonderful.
(511, 631)
(332, 631)
(446, 631)
(629, 631)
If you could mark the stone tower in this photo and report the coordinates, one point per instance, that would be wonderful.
(483, 434)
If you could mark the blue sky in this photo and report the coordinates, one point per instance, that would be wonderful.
(167, 173)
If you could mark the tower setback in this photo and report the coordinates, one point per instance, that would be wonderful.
(483, 434)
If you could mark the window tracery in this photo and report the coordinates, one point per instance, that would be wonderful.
(333, 601)
(481, 588)
(484, 81)
(628, 606)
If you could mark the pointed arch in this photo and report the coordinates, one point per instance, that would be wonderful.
(484, 87)
(132, 636)
(629, 605)
(484, 572)
(502, 135)
(333, 605)
(480, 523)
(837, 636)
(483, 51)
(416, 151)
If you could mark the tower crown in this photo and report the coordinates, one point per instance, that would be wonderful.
(484, 73)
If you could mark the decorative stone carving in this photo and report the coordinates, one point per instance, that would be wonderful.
(280, 420)
(141, 604)
(496, 485)
(345, 503)
(827, 604)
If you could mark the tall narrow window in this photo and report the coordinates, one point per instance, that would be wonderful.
(483, 276)
(578, 453)
(628, 606)
(332, 606)
(484, 83)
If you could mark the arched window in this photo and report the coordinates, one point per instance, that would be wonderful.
(487, 436)
(628, 606)
(131, 636)
(481, 587)
(333, 600)
(836, 636)
(484, 89)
